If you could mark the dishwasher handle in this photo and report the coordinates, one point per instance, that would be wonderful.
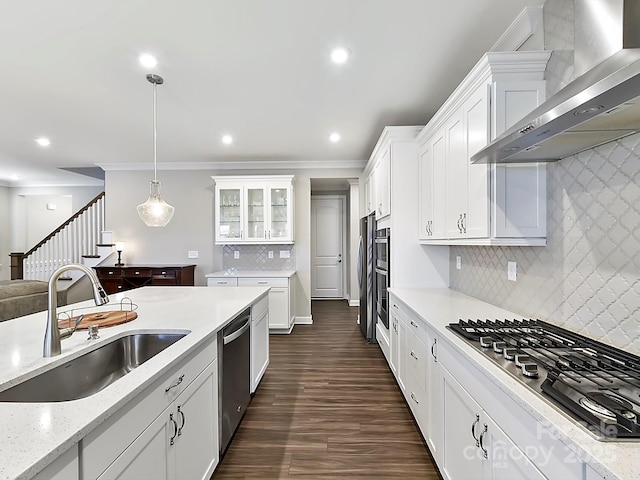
(236, 333)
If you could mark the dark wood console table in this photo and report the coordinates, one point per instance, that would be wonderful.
(119, 279)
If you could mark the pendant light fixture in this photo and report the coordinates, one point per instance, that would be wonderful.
(155, 212)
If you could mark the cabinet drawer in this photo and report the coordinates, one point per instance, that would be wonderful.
(106, 273)
(164, 273)
(417, 360)
(417, 327)
(263, 282)
(222, 282)
(142, 272)
(101, 446)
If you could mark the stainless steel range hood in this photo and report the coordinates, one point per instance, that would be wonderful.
(599, 106)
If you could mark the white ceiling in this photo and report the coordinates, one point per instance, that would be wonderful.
(256, 69)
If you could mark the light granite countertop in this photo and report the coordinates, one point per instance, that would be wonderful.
(35, 434)
(440, 307)
(252, 273)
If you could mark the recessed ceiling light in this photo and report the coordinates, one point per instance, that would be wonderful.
(227, 139)
(334, 137)
(339, 55)
(43, 142)
(148, 61)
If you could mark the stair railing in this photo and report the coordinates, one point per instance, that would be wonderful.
(77, 236)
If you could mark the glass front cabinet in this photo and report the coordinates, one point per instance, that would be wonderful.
(254, 209)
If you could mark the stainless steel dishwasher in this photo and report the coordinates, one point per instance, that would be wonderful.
(234, 355)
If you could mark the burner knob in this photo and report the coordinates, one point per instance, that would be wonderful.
(498, 347)
(530, 370)
(509, 353)
(486, 342)
(521, 359)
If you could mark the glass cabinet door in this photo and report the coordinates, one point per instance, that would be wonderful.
(279, 213)
(256, 222)
(230, 213)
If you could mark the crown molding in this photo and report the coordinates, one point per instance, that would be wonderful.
(522, 28)
(238, 165)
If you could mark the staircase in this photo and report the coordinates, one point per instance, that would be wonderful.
(78, 240)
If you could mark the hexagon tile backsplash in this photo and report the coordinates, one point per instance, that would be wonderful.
(587, 277)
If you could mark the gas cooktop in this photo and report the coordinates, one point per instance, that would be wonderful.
(595, 384)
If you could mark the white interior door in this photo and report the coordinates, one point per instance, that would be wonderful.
(327, 258)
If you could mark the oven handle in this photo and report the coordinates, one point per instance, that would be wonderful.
(382, 271)
(382, 240)
(360, 260)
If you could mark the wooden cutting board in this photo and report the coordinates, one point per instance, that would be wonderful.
(103, 319)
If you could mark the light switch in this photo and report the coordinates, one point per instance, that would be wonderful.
(285, 254)
(192, 254)
(458, 262)
(512, 271)
(236, 254)
(270, 254)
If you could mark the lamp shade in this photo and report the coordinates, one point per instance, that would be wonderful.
(155, 212)
(119, 246)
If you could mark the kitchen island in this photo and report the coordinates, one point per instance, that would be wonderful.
(36, 434)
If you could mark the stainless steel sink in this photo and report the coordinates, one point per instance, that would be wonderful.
(89, 373)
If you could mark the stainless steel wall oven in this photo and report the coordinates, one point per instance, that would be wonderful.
(382, 240)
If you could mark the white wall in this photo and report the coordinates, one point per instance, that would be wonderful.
(191, 192)
(5, 232)
(80, 196)
(45, 213)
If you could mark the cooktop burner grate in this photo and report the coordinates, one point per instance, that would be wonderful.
(596, 384)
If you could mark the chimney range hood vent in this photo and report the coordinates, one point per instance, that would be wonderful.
(599, 106)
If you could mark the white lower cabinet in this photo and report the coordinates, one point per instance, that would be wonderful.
(281, 296)
(473, 446)
(259, 341)
(168, 431)
(473, 429)
(417, 370)
(182, 442)
(394, 343)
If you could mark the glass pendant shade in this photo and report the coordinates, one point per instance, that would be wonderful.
(155, 212)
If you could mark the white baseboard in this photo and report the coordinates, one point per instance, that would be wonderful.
(304, 320)
(354, 303)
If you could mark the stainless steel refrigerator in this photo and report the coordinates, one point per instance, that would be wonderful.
(366, 277)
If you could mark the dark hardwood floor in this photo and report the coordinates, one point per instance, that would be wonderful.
(327, 407)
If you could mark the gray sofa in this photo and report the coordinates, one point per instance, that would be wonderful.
(23, 297)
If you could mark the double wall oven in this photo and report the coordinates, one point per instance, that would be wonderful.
(382, 240)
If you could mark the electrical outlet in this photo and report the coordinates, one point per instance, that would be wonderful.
(285, 254)
(236, 254)
(270, 254)
(458, 262)
(512, 271)
(192, 254)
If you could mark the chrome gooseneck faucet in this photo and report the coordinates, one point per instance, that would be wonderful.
(53, 334)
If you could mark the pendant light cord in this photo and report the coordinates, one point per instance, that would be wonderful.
(155, 135)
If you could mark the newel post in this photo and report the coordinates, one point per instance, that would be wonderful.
(17, 272)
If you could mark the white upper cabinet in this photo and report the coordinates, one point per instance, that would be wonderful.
(252, 209)
(466, 204)
(387, 155)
